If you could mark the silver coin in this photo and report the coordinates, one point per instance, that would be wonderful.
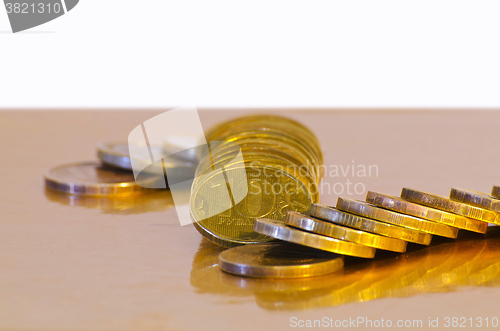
(117, 155)
(95, 179)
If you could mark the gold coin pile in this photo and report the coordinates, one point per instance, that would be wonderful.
(255, 167)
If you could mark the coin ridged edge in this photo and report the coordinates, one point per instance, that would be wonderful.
(282, 232)
(329, 229)
(331, 214)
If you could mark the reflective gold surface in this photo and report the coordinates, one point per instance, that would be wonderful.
(69, 267)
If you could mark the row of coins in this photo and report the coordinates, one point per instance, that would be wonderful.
(358, 228)
(255, 165)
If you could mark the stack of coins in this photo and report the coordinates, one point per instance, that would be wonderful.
(256, 166)
(385, 222)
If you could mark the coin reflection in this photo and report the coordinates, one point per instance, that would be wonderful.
(205, 273)
(446, 265)
(156, 200)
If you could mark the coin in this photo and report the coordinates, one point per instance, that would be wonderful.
(279, 260)
(264, 147)
(260, 150)
(182, 146)
(278, 230)
(367, 210)
(311, 224)
(277, 139)
(477, 199)
(266, 123)
(409, 208)
(116, 154)
(254, 167)
(264, 166)
(334, 215)
(227, 216)
(445, 204)
(495, 191)
(95, 179)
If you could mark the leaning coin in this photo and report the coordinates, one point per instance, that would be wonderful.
(279, 260)
(278, 230)
(445, 204)
(334, 215)
(477, 199)
(367, 210)
(314, 225)
(95, 179)
(409, 208)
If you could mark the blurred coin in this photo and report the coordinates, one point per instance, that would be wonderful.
(445, 204)
(311, 224)
(280, 231)
(117, 155)
(95, 179)
(334, 215)
(182, 146)
(409, 208)
(278, 260)
(367, 210)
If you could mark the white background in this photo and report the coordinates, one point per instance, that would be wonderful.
(159, 53)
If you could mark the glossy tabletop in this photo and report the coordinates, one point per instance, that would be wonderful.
(71, 263)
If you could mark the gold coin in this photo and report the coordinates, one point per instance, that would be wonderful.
(266, 146)
(367, 210)
(445, 204)
(280, 231)
(239, 126)
(95, 179)
(279, 260)
(477, 199)
(257, 121)
(261, 150)
(225, 203)
(311, 224)
(264, 166)
(266, 135)
(334, 215)
(409, 208)
(277, 139)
